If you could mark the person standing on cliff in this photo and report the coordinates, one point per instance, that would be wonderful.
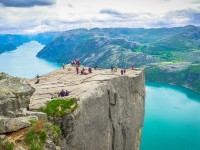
(122, 71)
(77, 69)
(90, 70)
(111, 68)
(132, 66)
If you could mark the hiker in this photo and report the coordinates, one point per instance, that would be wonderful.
(72, 62)
(95, 67)
(111, 68)
(122, 71)
(63, 66)
(62, 93)
(90, 70)
(37, 76)
(83, 71)
(132, 66)
(67, 93)
(78, 63)
(77, 69)
(38, 81)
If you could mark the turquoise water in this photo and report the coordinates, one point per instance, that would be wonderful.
(172, 117)
(23, 63)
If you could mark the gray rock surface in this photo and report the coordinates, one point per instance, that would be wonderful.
(110, 117)
(15, 124)
(111, 108)
(15, 95)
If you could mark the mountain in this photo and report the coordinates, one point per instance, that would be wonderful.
(10, 42)
(106, 47)
(183, 74)
(160, 51)
(95, 47)
(122, 46)
(186, 40)
(44, 38)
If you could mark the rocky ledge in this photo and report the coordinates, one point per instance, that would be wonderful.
(15, 96)
(110, 110)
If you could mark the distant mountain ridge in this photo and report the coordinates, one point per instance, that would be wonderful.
(164, 52)
(9, 42)
(122, 46)
(170, 55)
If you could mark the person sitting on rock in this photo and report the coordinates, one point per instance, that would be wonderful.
(38, 81)
(67, 93)
(62, 93)
(83, 71)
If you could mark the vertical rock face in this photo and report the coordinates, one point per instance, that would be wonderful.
(110, 117)
(15, 95)
(110, 110)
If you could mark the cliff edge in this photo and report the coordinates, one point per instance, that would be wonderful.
(110, 110)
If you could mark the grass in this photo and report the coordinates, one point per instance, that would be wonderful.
(60, 107)
(166, 63)
(38, 133)
(5, 145)
(36, 136)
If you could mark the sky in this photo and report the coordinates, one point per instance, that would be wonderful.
(35, 16)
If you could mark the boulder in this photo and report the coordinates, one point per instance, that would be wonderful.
(15, 124)
(15, 94)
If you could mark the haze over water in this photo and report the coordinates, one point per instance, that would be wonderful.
(172, 119)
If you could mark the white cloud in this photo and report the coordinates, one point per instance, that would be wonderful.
(65, 15)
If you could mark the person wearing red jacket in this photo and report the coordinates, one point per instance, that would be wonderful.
(77, 69)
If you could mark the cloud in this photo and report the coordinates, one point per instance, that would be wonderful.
(195, 2)
(110, 12)
(65, 15)
(70, 5)
(26, 3)
(189, 16)
(115, 13)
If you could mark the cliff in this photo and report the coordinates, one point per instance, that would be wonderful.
(110, 110)
(15, 96)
